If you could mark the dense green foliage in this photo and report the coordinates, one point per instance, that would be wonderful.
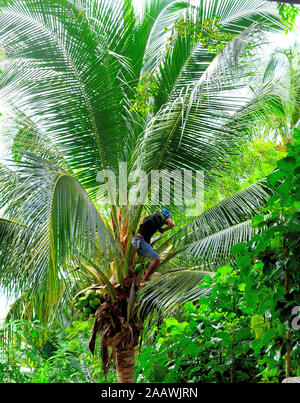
(247, 329)
(176, 87)
(209, 33)
(210, 345)
(146, 88)
(64, 358)
(288, 14)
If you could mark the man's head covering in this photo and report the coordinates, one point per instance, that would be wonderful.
(166, 213)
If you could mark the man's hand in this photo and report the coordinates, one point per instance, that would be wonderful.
(170, 224)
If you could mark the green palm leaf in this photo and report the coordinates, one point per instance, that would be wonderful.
(59, 222)
(169, 290)
(208, 239)
(69, 83)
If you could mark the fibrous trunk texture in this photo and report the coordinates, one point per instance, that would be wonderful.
(125, 366)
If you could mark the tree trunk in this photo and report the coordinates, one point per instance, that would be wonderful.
(125, 366)
(288, 360)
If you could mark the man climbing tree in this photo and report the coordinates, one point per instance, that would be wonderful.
(141, 241)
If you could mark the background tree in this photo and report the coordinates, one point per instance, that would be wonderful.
(285, 63)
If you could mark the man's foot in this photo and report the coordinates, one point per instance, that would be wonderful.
(113, 280)
(143, 282)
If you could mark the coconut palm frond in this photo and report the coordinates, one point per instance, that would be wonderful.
(22, 133)
(155, 50)
(235, 16)
(32, 306)
(71, 72)
(233, 210)
(216, 248)
(69, 62)
(199, 121)
(59, 221)
(170, 290)
(211, 235)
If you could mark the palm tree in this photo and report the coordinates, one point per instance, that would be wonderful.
(89, 84)
(285, 63)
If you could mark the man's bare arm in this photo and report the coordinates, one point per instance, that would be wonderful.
(170, 225)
